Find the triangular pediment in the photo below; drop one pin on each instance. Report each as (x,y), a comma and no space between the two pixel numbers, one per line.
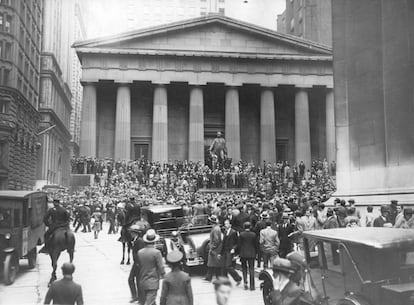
(209,34)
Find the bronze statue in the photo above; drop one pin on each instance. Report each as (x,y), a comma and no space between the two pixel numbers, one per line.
(218,150)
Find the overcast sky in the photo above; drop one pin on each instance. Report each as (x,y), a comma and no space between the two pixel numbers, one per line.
(104,17)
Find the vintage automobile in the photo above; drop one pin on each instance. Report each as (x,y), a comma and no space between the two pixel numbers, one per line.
(362,266)
(164,219)
(356,266)
(194,236)
(21,229)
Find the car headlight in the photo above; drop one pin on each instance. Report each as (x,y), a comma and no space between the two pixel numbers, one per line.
(7,236)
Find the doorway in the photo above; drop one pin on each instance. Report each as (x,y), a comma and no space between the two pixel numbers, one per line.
(141,151)
(282,149)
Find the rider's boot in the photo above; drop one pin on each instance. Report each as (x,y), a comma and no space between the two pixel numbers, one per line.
(45,248)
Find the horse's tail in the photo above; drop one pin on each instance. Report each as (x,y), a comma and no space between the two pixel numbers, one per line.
(66,237)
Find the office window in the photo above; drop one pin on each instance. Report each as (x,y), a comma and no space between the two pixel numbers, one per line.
(6,76)
(7,27)
(20,61)
(19,83)
(4,105)
(21,35)
(221,1)
(5,2)
(7,50)
(221,10)
(1,22)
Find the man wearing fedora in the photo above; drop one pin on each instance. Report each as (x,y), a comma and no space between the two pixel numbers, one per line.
(137,244)
(260,225)
(151,269)
(65,291)
(214,262)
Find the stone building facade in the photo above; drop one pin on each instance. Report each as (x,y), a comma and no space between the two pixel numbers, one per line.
(308,19)
(60,90)
(163,93)
(77,31)
(20,42)
(374,59)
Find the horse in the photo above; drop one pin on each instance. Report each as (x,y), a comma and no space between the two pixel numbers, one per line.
(62,239)
(126,238)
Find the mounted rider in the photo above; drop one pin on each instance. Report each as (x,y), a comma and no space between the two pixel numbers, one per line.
(56,217)
(128,215)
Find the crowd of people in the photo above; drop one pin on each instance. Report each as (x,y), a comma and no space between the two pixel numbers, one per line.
(195,175)
(258,225)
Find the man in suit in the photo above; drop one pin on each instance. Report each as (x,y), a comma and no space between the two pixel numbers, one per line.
(383,220)
(228,251)
(214,261)
(65,291)
(247,250)
(261,224)
(137,244)
(151,269)
(269,243)
(241,218)
(284,230)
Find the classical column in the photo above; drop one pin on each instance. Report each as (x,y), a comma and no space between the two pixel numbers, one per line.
(123,123)
(160,124)
(87,141)
(267,126)
(196,132)
(330,126)
(302,128)
(232,132)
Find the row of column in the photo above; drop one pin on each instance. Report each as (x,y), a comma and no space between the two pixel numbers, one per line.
(196,124)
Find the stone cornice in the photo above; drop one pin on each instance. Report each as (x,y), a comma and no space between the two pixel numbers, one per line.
(207,54)
(124,63)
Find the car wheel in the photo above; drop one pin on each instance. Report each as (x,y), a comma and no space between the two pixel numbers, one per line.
(32,258)
(10,269)
(267,289)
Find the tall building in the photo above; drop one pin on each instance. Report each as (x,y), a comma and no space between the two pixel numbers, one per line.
(76,31)
(55,93)
(135,14)
(373,65)
(281,22)
(309,19)
(20,44)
